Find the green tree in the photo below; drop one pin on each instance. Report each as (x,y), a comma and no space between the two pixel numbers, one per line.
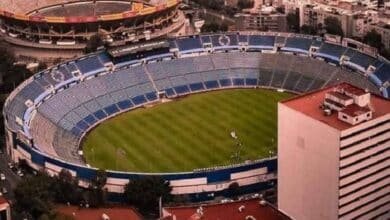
(33,195)
(214,4)
(144,193)
(307,29)
(333,26)
(293,22)
(65,188)
(373,38)
(234,189)
(241,4)
(96,196)
(214,27)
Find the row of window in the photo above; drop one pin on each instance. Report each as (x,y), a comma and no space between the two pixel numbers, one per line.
(365,204)
(364,130)
(365,139)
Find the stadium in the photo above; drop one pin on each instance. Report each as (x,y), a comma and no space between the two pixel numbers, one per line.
(91,102)
(43,29)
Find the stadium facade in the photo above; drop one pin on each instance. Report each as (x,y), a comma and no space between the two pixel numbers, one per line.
(45,29)
(47,116)
(334,161)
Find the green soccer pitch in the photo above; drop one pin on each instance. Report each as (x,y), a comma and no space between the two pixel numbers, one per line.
(188,133)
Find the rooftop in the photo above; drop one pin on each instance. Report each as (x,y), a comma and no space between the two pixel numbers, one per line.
(117,213)
(309,104)
(231,210)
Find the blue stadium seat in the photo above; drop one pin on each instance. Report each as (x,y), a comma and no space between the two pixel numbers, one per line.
(139,100)
(258,40)
(82,125)
(238,82)
(302,44)
(205,39)
(181,89)
(224,40)
(243,38)
(125,104)
(100,114)
(112,109)
(90,119)
(152,96)
(170,92)
(383,72)
(362,60)
(225,82)
(332,50)
(189,43)
(211,84)
(76,131)
(196,87)
(250,82)
(104,57)
(90,64)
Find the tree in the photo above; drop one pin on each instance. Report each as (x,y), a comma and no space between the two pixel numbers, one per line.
(214,4)
(307,29)
(293,22)
(144,193)
(373,38)
(234,189)
(241,4)
(280,9)
(96,195)
(333,26)
(33,195)
(65,188)
(214,27)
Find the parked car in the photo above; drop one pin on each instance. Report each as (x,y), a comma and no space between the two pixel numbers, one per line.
(20,173)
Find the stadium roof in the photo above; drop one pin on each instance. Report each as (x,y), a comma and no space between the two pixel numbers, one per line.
(309,104)
(231,210)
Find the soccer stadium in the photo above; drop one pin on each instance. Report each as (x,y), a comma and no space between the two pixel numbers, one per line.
(199,111)
(43,27)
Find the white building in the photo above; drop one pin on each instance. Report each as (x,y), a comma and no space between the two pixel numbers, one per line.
(334,155)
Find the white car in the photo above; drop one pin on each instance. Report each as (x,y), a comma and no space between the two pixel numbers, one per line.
(20,173)
(2,176)
(11,165)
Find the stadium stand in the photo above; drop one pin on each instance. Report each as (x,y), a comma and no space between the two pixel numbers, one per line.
(70,99)
(297,44)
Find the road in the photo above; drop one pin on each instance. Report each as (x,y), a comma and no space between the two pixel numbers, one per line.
(11,179)
(219,16)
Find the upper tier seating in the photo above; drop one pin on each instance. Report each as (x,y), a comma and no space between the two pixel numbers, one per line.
(90,65)
(189,43)
(302,44)
(264,41)
(73,106)
(332,50)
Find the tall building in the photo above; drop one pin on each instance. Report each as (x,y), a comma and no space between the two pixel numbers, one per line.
(334,155)
(266,18)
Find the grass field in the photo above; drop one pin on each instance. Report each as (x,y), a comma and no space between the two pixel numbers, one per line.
(190,133)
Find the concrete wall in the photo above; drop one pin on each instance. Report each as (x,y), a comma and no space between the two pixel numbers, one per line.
(308,166)
(202,185)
